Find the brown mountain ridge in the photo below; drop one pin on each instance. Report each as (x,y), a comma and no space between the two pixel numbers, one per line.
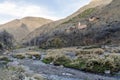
(19,28)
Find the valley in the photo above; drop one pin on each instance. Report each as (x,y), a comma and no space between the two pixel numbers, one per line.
(83,46)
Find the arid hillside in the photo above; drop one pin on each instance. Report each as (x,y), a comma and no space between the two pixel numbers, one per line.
(19,28)
(96,23)
(47,28)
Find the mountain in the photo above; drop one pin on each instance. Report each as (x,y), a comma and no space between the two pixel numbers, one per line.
(54,25)
(96,23)
(19,28)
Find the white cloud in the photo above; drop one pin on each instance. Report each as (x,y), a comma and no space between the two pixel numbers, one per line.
(16,10)
(12,9)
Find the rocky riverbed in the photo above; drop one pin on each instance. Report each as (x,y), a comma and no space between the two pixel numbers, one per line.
(37,70)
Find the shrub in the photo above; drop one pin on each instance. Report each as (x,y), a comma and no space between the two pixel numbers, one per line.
(116,51)
(76,64)
(34,54)
(95,65)
(57,59)
(109,64)
(49,57)
(61,60)
(47,60)
(100,65)
(4,59)
(16,68)
(55,42)
(83,52)
(6,40)
(116,58)
(1,46)
(80,61)
(18,46)
(98,51)
(19,56)
(87,60)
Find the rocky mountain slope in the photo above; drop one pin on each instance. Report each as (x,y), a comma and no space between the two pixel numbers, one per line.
(19,28)
(54,25)
(95,23)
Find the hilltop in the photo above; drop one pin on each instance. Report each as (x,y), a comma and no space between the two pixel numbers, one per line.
(19,28)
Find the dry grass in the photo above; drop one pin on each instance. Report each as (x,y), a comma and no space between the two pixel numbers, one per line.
(56,58)
(116,58)
(91,60)
(49,57)
(70,49)
(97,51)
(4,58)
(19,56)
(97,64)
(30,55)
(37,55)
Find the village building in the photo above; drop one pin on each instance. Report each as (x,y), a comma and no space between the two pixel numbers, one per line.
(72,28)
(80,26)
(91,19)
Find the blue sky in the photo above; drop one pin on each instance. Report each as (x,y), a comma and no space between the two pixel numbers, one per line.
(51,9)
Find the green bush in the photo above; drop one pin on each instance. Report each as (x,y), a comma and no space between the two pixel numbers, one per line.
(95,65)
(4,58)
(100,65)
(57,59)
(61,60)
(88,60)
(49,57)
(76,64)
(110,64)
(115,58)
(47,60)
